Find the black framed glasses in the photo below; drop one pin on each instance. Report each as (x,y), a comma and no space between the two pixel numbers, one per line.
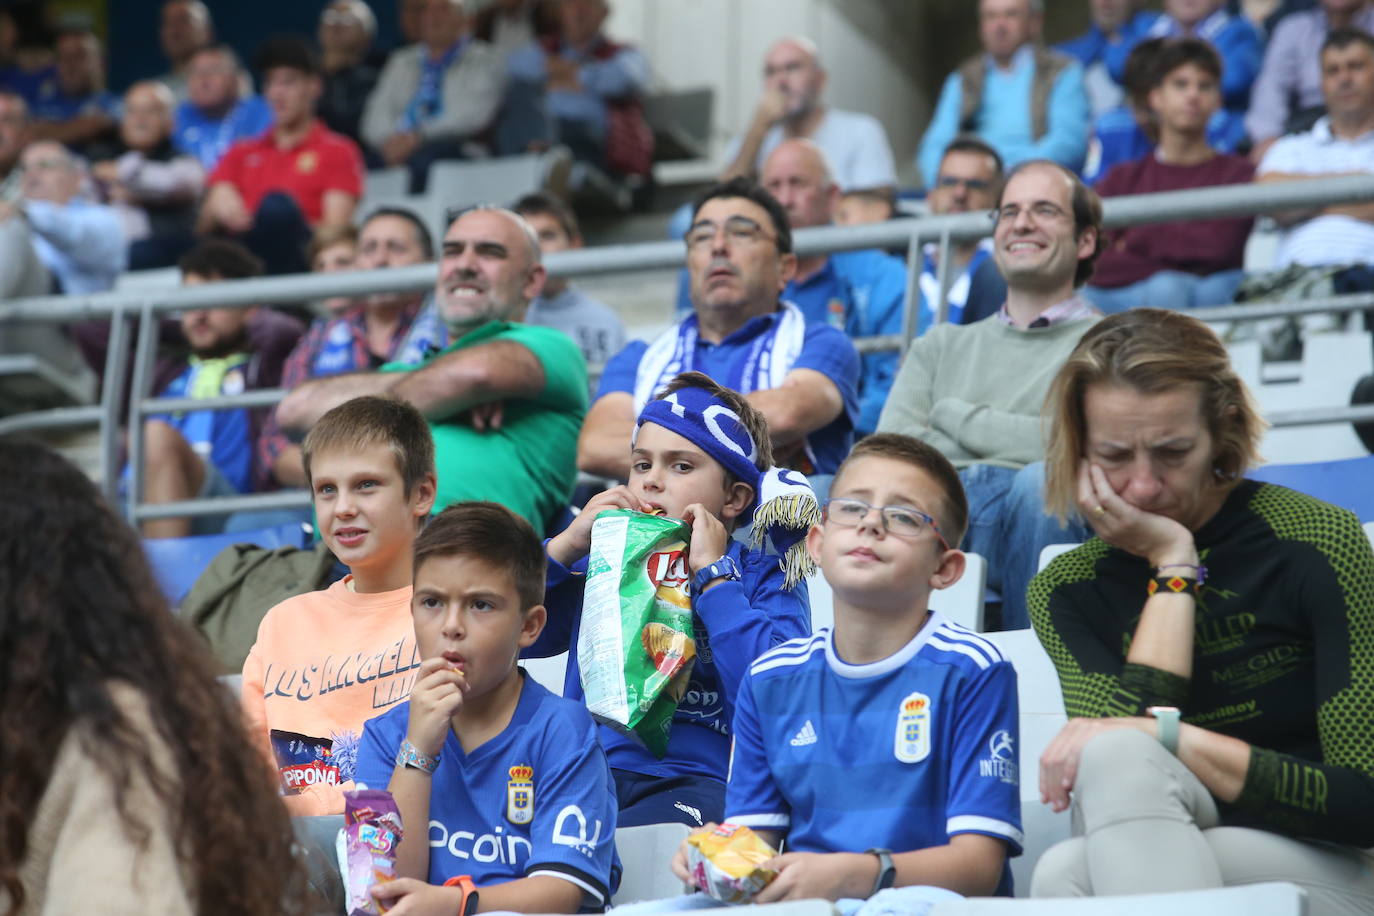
(903,521)
(739,230)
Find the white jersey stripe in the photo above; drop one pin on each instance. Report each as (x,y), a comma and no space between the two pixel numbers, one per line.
(787,654)
(572,879)
(979,658)
(973,823)
(955,633)
(760,820)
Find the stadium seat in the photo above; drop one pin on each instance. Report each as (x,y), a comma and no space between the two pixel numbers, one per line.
(645,855)
(1051,551)
(1345,483)
(178,562)
(1331,365)
(1269,899)
(1041,708)
(961,602)
(547,672)
(463,183)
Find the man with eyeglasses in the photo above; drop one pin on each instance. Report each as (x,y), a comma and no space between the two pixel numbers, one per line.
(969,177)
(975,391)
(802,375)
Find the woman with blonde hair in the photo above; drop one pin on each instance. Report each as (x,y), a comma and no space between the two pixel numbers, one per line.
(1214,641)
(127,782)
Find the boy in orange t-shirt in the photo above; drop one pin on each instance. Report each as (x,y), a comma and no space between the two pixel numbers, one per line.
(325,662)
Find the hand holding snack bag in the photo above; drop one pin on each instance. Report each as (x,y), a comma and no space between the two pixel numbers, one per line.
(367,847)
(729,862)
(636,643)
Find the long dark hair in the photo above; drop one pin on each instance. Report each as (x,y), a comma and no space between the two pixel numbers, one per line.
(80,614)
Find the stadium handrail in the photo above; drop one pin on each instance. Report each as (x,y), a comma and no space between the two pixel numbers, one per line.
(123,307)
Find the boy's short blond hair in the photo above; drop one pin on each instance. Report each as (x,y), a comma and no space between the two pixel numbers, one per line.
(373,420)
(491,533)
(952,513)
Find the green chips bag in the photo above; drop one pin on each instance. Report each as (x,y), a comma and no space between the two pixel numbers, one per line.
(635,644)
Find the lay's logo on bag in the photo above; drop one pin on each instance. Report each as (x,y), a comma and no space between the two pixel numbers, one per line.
(668,569)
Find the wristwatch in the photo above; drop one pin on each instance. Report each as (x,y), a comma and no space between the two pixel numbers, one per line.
(887,872)
(1166,726)
(469,904)
(408,755)
(724,568)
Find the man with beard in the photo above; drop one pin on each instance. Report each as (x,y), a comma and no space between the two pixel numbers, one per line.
(504,399)
(202,454)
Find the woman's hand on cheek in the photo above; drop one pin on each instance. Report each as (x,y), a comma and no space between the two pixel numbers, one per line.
(1157,538)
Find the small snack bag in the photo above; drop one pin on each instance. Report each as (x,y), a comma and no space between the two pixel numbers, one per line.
(367,847)
(728,863)
(635,644)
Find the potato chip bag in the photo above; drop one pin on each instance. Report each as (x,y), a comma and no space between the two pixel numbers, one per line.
(635,644)
(728,863)
(367,847)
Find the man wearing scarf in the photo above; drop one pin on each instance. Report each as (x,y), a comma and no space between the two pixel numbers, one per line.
(803,378)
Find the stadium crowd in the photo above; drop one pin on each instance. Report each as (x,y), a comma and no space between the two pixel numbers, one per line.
(1212,634)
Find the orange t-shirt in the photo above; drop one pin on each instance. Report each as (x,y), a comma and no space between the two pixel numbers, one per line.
(324,663)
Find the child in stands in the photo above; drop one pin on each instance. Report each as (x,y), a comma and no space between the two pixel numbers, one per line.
(503,791)
(701,453)
(882,750)
(325,662)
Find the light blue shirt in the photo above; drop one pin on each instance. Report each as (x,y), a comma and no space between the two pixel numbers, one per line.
(1004,118)
(624,73)
(81,243)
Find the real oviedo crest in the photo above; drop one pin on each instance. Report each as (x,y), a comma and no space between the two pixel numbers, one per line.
(520,795)
(913,729)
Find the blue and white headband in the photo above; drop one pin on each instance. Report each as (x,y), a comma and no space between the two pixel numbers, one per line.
(784,506)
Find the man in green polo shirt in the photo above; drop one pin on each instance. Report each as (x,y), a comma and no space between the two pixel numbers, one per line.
(505,400)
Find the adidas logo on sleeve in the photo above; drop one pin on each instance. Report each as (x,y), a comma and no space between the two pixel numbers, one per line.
(807,735)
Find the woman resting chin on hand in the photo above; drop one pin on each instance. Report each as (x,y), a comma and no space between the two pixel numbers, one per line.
(1212,640)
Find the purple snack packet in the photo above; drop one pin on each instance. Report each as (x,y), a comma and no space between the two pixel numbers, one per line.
(372,829)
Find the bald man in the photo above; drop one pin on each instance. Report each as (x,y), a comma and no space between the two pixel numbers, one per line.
(860,292)
(791,107)
(505,400)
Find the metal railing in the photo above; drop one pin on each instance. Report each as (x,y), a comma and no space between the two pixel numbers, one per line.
(123,308)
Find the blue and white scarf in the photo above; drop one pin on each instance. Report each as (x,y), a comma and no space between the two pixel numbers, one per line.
(772,356)
(784,506)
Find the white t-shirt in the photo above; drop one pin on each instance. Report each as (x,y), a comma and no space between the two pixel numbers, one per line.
(855,146)
(1328,239)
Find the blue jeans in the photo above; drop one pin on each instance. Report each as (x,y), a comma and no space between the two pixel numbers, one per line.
(1168,289)
(1008,527)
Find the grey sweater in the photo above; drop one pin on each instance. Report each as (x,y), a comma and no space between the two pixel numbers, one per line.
(975,391)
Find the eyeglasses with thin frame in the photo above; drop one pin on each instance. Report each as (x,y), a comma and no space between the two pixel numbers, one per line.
(1041,211)
(739,230)
(954,181)
(903,521)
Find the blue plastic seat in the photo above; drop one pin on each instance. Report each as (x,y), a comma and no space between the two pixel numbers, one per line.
(1348,483)
(178,562)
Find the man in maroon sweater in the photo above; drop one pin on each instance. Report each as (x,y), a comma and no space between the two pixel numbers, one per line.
(1185,264)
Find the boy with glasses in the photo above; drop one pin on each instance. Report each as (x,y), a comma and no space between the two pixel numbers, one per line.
(882,749)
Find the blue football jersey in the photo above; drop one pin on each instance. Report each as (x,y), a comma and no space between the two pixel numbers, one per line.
(902,753)
(538,799)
